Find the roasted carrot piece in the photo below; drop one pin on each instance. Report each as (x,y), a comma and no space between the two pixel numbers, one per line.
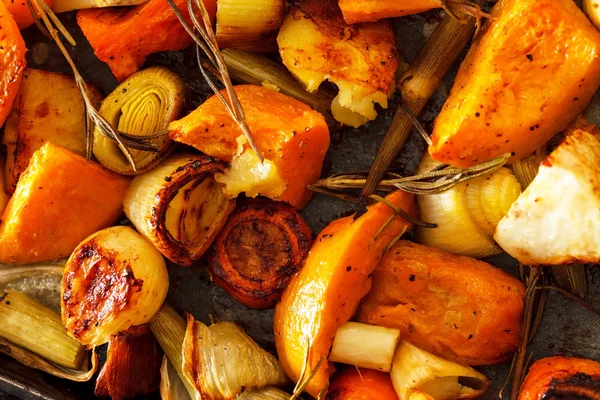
(326,291)
(531,71)
(20,12)
(60,199)
(132,366)
(290,135)
(124,37)
(458,308)
(12,61)
(363,384)
(562,378)
(258,251)
(356,11)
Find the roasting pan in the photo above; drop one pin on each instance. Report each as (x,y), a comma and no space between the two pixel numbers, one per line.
(567,328)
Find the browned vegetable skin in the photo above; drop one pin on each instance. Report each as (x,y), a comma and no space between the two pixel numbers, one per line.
(132,365)
(456,307)
(562,378)
(258,251)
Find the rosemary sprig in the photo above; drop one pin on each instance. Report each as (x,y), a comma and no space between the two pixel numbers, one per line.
(51,27)
(207,42)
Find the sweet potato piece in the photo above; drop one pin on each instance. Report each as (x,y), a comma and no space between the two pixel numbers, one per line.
(258,251)
(562,378)
(456,307)
(12,61)
(317,45)
(132,365)
(60,199)
(48,108)
(366,384)
(292,136)
(532,70)
(20,12)
(124,37)
(326,291)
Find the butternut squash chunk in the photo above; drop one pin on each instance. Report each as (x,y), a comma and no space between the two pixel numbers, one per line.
(326,291)
(20,12)
(532,70)
(60,199)
(12,61)
(48,108)
(458,308)
(292,137)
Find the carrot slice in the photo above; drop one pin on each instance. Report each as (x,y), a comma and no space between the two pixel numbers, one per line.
(326,291)
(373,10)
(60,199)
(12,61)
(123,38)
(258,251)
(20,12)
(363,384)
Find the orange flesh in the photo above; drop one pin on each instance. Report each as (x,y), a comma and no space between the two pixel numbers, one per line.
(372,10)
(60,199)
(326,291)
(12,61)
(366,384)
(286,131)
(20,12)
(124,37)
(531,71)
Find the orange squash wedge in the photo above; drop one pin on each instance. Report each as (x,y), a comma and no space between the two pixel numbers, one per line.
(326,291)
(12,61)
(20,12)
(60,199)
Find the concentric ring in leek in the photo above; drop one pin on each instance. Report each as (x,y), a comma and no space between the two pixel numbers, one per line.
(179,207)
(142,105)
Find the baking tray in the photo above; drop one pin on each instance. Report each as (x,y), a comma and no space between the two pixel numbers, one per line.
(567,328)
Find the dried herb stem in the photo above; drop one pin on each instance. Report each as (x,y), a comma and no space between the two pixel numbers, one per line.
(416,86)
(207,42)
(571,296)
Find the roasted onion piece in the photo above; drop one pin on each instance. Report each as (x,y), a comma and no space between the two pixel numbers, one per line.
(142,105)
(221,361)
(258,251)
(132,365)
(562,378)
(179,207)
(113,280)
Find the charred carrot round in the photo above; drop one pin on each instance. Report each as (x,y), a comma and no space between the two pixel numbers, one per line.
(12,61)
(258,251)
(363,384)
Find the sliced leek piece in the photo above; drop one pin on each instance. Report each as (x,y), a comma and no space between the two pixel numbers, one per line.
(268,393)
(365,346)
(60,6)
(142,105)
(114,279)
(171,385)
(416,372)
(41,282)
(179,207)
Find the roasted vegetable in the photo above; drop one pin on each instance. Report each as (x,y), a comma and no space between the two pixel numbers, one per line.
(60,199)
(592,9)
(317,45)
(12,64)
(123,38)
(267,393)
(113,280)
(563,197)
(365,346)
(142,105)
(419,375)
(70,5)
(48,108)
(562,378)
(221,361)
(292,138)
(132,365)
(361,384)
(530,72)
(3,196)
(249,24)
(456,307)
(179,207)
(30,325)
(258,251)
(171,385)
(21,13)
(326,291)
(40,282)
(467,214)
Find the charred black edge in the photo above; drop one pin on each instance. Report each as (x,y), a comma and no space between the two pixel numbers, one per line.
(579,386)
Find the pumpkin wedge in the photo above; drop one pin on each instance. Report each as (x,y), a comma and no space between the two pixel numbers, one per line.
(326,291)
(60,199)
(12,61)
(530,72)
